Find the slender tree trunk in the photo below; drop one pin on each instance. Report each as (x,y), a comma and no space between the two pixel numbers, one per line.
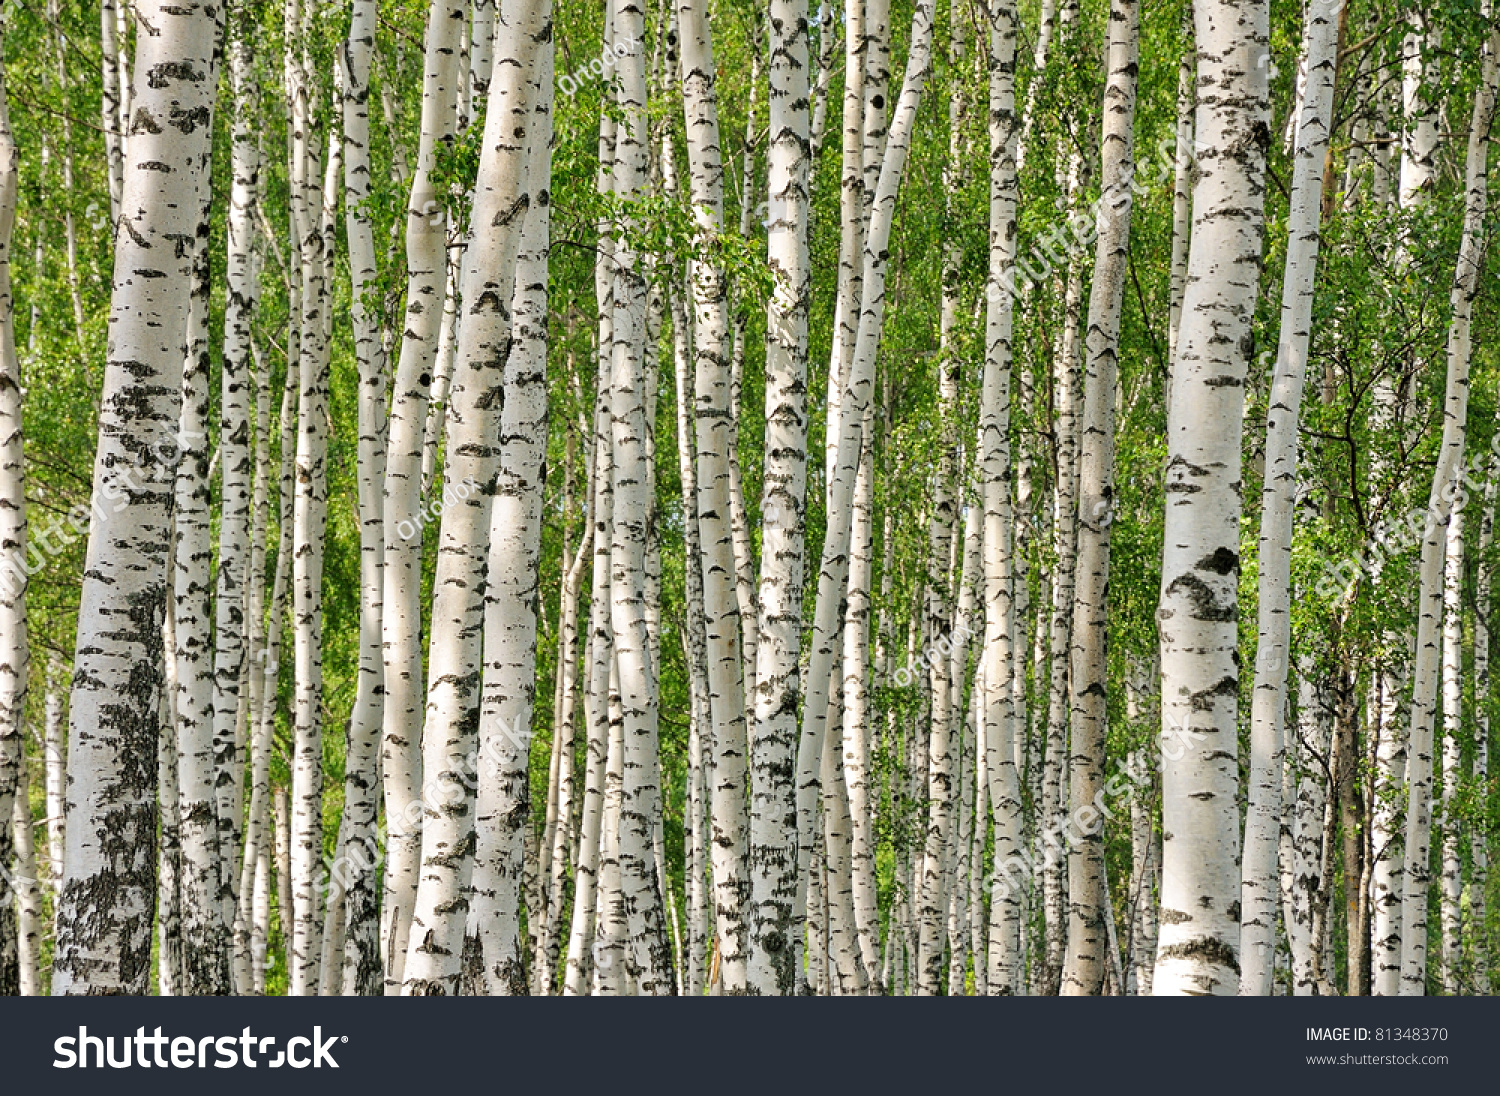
(1259,889)
(14,643)
(112,83)
(640,798)
(833,572)
(1002,727)
(778,687)
(715,419)
(1197,953)
(1085,968)
(523,53)
(1303,881)
(205,952)
(104,919)
(1450,891)
(361,957)
(235,462)
(1445,485)
(582,945)
(401,608)
(28,891)
(485,344)
(1182,160)
(309,525)
(56,768)
(1479,939)
(940,776)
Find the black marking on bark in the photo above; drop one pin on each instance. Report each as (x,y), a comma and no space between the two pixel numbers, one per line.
(1205,604)
(1224,561)
(158,75)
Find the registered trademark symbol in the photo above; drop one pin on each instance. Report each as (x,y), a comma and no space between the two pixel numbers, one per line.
(343,1038)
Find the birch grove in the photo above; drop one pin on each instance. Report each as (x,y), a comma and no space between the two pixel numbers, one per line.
(934,497)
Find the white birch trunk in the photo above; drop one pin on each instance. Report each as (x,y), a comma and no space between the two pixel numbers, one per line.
(1001,727)
(56,770)
(451,733)
(1197,953)
(28,891)
(1446,484)
(309,525)
(14,648)
(1259,888)
(640,793)
(104,919)
(523,54)
(361,958)
(833,572)
(714,415)
(1450,890)
(1089,920)
(773,736)
(401,608)
(1302,877)
(205,952)
(235,462)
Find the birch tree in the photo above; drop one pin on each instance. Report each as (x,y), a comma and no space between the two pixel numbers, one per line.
(485,341)
(714,418)
(1085,969)
(1259,876)
(401,609)
(1445,487)
(105,903)
(15,806)
(523,52)
(1197,950)
(773,735)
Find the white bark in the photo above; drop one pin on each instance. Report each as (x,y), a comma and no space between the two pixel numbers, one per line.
(1259,887)
(1450,890)
(640,793)
(56,768)
(523,54)
(1197,953)
(205,952)
(361,958)
(451,734)
(230,629)
(582,949)
(401,608)
(833,572)
(1445,485)
(714,416)
(1088,894)
(14,649)
(1303,884)
(309,526)
(104,934)
(773,735)
(28,891)
(1002,727)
